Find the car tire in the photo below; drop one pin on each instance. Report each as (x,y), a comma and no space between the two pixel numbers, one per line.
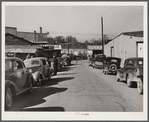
(140,86)
(113,67)
(31,88)
(49,78)
(39,81)
(129,83)
(118,79)
(8,98)
(105,72)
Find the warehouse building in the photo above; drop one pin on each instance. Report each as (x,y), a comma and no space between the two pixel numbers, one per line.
(30,36)
(125,45)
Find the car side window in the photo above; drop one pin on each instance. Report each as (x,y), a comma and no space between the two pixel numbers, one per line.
(44,62)
(18,65)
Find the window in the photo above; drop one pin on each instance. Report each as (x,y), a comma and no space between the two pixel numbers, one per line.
(130,63)
(43,62)
(18,65)
(8,65)
(113,60)
(35,62)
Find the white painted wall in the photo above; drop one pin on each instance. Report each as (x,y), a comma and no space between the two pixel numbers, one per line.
(124,47)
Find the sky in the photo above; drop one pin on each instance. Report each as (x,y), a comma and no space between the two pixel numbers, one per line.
(82,22)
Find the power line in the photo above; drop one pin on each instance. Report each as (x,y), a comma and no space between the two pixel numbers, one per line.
(107,11)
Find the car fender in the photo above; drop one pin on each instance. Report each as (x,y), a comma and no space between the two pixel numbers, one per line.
(36,75)
(131,76)
(119,73)
(13,87)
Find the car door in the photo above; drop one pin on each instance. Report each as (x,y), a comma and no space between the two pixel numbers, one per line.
(44,65)
(129,65)
(20,75)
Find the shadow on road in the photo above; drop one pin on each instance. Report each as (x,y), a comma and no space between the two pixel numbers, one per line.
(98,67)
(66,68)
(67,73)
(37,97)
(45,109)
(55,81)
(75,64)
(134,85)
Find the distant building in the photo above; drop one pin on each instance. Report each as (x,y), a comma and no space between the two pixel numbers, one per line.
(94,49)
(30,36)
(125,45)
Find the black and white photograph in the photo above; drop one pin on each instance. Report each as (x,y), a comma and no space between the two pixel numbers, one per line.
(74,61)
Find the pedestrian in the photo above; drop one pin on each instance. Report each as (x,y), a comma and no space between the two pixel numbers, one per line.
(55,65)
(77,58)
(49,62)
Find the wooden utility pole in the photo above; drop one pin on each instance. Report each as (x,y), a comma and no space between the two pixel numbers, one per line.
(102,35)
(68,44)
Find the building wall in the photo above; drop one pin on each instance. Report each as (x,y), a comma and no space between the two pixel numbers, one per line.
(124,47)
(11,30)
(30,36)
(107,49)
(27,35)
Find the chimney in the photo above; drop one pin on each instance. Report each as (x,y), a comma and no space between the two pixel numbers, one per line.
(35,36)
(40,30)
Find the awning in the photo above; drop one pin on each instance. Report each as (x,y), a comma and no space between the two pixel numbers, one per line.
(21,48)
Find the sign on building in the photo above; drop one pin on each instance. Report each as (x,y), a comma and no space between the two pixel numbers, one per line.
(94,47)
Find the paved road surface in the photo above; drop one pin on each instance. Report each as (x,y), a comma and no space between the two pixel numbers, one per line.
(81,88)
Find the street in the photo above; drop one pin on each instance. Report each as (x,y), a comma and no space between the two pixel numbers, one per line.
(81,88)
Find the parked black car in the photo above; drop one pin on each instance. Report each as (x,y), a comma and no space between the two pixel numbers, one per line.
(66,59)
(111,64)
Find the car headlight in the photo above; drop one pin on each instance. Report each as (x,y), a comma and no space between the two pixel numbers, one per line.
(30,70)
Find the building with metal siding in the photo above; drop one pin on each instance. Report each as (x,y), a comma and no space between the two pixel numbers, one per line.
(125,45)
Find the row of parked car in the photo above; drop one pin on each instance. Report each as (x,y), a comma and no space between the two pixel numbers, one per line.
(21,76)
(131,72)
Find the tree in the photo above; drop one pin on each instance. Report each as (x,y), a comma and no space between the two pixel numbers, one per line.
(86,42)
(59,39)
(50,40)
(71,39)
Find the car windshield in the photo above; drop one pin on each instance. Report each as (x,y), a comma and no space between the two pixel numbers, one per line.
(8,65)
(27,63)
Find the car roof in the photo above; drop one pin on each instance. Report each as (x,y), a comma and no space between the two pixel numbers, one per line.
(135,58)
(36,58)
(12,58)
(113,57)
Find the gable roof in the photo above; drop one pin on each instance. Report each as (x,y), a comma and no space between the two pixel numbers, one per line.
(134,33)
(19,38)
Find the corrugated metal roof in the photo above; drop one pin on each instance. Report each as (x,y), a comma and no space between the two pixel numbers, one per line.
(21,48)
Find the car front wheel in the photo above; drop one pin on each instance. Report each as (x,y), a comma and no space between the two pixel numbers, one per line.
(31,88)
(49,78)
(8,98)
(140,86)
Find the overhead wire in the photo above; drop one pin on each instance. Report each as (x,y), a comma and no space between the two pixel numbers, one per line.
(107,11)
